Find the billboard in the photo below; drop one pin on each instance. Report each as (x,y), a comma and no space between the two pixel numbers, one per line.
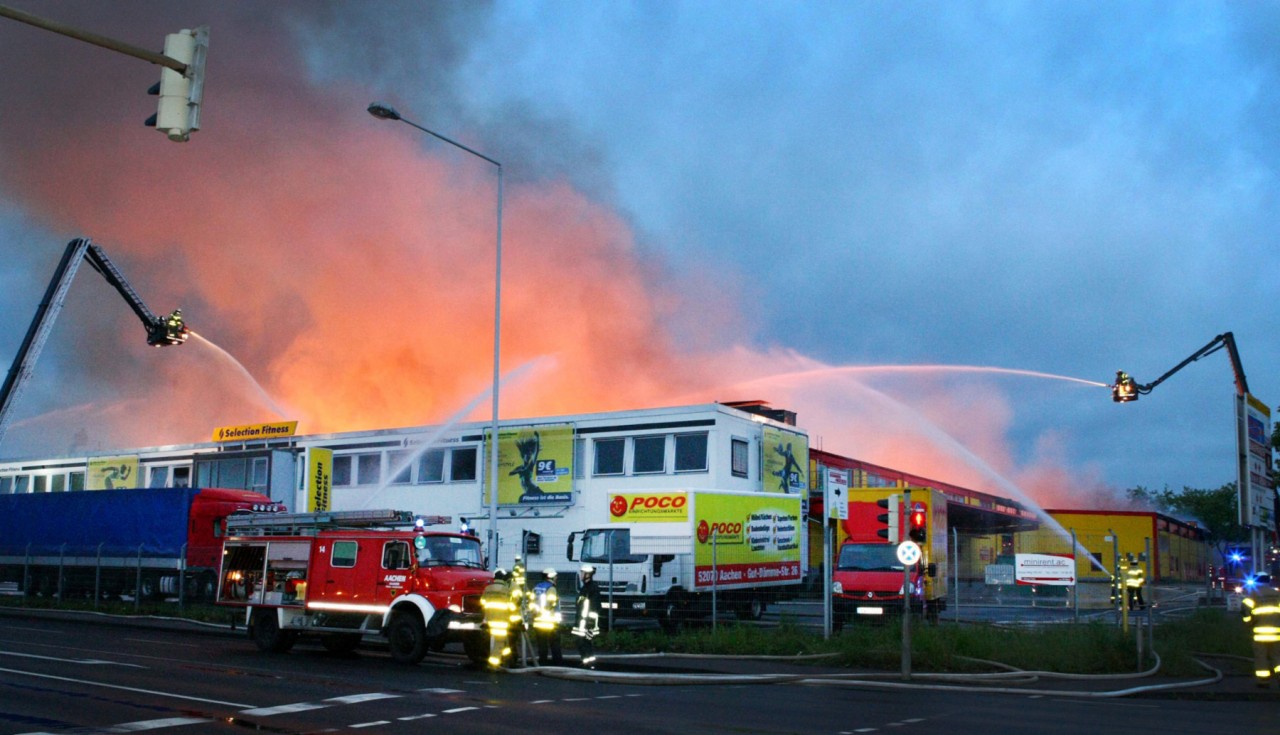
(319,479)
(746,540)
(786,461)
(112,473)
(535,465)
(1047,569)
(1257,495)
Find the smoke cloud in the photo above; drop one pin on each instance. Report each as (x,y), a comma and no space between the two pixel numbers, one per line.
(349,265)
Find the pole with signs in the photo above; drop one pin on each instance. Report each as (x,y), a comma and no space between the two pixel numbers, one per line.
(906,595)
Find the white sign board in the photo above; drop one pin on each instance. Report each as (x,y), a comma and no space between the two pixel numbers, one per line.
(1049,569)
(909,552)
(837,494)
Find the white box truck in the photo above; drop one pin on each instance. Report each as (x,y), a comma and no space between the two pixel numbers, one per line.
(673,554)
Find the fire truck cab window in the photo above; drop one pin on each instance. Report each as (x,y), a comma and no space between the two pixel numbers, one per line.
(395,555)
(344,554)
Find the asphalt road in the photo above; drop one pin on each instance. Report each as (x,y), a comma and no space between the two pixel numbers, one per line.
(78,677)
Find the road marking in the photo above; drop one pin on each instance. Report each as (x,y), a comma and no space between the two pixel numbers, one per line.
(456,710)
(914,720)
(441,690)
(358,698)
(609,696)
(166,644)
(157,724)
(86,682)
(416,717)
(144,725)
(88,661)
(283,709)
(369,724)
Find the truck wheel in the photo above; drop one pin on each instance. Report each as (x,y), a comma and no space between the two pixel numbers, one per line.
(751,609)
(672,614)
(206,588)
(149,588)
(407,638)
(266,633)
(341,642)
(476,646)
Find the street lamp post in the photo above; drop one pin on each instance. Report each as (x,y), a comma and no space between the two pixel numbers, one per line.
(387,112)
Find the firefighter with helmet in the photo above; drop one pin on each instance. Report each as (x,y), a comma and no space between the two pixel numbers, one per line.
(587,624)
(1135,578)
(544,605)
(496,602)
(1261,608)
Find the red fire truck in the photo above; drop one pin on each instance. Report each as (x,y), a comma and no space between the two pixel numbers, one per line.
(868,580)
(344,575)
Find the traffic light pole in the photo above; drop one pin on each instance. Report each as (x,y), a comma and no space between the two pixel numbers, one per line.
(906,598)
(93,38)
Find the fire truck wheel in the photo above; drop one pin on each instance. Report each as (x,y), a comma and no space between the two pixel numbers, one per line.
(340,642)
(266,633)
(407,638)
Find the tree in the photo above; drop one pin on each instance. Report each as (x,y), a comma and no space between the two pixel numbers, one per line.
(1215,511)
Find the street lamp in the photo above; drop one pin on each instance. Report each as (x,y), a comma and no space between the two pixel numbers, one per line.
(387,112)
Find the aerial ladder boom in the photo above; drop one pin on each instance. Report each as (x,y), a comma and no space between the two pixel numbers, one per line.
(161,331)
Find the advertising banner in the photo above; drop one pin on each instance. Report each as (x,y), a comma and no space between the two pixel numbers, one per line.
(535,465)
(1046,569)
(1257,504)
(786,461)
(319,479)
(746,541)
(112,473)
(653,507)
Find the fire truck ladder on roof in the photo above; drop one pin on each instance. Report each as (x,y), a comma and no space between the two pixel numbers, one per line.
(308,524)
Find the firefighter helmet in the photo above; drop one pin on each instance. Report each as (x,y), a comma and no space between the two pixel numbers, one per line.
(549,573)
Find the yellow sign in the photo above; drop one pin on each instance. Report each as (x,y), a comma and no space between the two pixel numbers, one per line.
(112,473)
(535,465)
(254,432)
(786,461)
(746,540)
(668,507)
(319,478)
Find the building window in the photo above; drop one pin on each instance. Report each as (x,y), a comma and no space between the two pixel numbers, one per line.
(431,466)
(39,484)
(159,477)
(738,454)
(57,483)
(181,478)
(579,452)
(342,470)
(649,455)
(6,485)
(691,452)
(402,466)
(462,465)
(609,456)
(344,554)
(368,469)
(258,471)
(21,484)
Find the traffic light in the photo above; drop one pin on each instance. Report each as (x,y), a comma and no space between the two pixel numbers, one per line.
(1125,389)
(178,112)
(919,531)
(889,518)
